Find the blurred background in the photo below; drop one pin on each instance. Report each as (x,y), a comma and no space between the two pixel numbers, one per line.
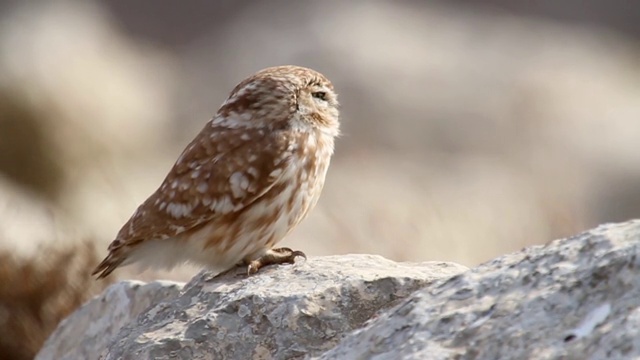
(471,128)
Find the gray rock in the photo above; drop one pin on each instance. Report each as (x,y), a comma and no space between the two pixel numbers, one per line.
(576,298)
(283,312)
(88,330)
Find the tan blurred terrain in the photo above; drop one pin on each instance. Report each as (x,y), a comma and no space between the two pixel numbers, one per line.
(469,131)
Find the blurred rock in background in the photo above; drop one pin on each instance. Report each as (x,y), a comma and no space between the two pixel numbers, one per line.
(471,129)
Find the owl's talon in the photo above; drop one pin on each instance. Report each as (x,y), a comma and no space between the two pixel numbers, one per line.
(277,256)
(299,253)
(253,267)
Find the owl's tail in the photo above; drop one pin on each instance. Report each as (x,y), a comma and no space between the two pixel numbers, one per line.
(106,267)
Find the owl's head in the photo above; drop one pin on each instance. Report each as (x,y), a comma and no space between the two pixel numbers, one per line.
(282,96)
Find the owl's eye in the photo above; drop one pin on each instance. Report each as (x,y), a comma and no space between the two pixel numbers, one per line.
(319,95)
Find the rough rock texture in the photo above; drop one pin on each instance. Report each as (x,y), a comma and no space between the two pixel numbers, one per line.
(88,330)
(576,298)
(282,312)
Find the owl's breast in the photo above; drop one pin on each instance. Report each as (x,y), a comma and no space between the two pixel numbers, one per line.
(311,164)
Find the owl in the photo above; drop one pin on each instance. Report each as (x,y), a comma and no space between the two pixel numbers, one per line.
(247,179)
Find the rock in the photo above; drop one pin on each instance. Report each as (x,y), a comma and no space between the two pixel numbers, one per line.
(575,298)
(572,298)
(282,312)
(89,329)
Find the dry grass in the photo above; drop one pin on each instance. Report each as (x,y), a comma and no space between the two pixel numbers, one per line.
(37,293)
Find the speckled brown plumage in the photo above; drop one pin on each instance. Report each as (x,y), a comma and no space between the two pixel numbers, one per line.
(245,181)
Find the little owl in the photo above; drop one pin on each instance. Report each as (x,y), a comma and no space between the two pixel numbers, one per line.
(245,181)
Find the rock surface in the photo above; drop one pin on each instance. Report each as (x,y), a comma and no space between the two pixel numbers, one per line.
(574,298)
(282,312)
(285,312)
(90,328)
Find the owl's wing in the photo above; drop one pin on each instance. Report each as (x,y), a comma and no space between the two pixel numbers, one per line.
(221,172)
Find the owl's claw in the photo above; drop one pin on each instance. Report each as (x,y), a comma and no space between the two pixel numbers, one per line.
(277,256)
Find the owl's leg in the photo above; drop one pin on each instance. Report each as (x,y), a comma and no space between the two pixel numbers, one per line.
(272,257)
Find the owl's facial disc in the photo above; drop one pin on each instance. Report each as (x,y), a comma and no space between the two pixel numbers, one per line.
(318,105)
